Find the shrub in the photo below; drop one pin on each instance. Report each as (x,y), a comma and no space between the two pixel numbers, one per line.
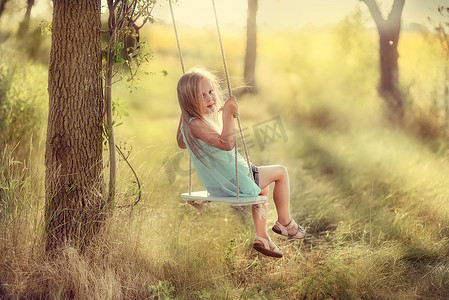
(22,97)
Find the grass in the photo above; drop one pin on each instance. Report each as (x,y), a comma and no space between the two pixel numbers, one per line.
(373,198)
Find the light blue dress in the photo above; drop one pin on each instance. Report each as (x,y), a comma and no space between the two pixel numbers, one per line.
(218,171)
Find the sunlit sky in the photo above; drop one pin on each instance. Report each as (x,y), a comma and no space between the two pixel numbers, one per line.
(276,13)
(287,13)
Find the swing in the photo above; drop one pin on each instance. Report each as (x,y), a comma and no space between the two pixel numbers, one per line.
(204,195)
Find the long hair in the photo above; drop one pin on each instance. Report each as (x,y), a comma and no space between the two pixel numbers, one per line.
(190,100)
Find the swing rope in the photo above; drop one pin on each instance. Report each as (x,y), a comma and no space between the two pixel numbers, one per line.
(229,92)
(183,72)
(223,57)
(177,38)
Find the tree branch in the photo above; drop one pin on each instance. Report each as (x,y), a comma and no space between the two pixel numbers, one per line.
(375,12)
(141,12)
(394,19)
(122,14)
(396,11)
(139,194)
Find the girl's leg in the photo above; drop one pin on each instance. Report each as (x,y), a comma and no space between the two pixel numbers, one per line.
(260,222)
(281,191)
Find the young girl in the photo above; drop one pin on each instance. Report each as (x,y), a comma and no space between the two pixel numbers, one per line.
(210,141)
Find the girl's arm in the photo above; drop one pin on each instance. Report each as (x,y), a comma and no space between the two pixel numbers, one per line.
(225,139)
(179,138)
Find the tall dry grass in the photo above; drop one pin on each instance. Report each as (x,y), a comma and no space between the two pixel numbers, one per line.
(373,198)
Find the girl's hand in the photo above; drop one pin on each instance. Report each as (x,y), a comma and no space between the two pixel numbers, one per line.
(230,107)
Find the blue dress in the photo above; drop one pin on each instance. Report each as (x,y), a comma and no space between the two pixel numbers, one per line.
(217,173)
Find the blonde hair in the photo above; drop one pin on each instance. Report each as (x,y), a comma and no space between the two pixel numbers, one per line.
(191,103)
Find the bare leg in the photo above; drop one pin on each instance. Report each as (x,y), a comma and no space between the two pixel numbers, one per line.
(281,191)
(260,223)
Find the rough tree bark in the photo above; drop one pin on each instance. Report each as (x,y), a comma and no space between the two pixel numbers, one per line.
(75,204)
(389,31)
(251,47)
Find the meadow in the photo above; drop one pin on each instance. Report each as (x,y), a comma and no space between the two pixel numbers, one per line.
(372,196)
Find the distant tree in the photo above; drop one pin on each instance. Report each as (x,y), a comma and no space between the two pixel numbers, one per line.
(389,31)
(75,203)
(442,30)
(2,6)
(25,24)
(251,47)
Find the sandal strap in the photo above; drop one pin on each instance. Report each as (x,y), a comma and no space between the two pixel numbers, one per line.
(291,224)
(284,229)
(300,228)
(266,243)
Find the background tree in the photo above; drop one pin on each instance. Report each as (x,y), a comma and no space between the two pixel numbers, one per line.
(389,30)
(251,47)
(2,6)
(75,204)
(442,30)
(25,24)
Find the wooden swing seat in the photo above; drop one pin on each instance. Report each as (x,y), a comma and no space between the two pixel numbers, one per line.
(241,201)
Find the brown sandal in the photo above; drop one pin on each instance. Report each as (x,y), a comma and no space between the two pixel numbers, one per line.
(263,246)
(283,230)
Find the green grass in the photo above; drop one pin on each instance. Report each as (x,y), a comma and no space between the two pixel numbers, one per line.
(373,198)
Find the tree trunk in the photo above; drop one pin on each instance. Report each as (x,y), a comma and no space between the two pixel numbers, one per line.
(112,26)
(25,24)
(2,6)
(75,204)
(389,73)
(110,127)
(389,30)
(251,47)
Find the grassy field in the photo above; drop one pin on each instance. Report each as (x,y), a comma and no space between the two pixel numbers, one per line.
(372,197)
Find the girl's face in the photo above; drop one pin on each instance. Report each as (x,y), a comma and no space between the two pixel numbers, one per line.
(208,96)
